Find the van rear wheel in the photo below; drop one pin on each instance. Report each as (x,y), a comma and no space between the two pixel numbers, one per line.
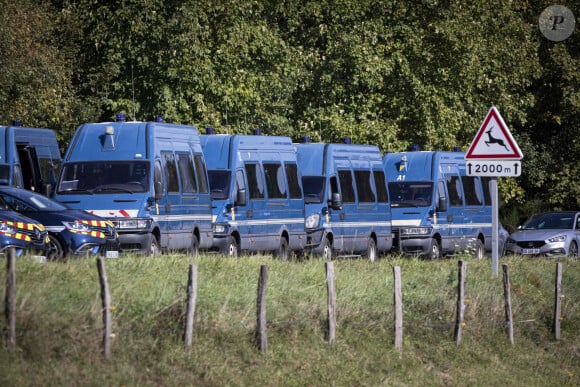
(283,252)
(372,253)
(479,249)
(194,250)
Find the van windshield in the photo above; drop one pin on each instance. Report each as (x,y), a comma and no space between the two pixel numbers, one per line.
(411,194)
(219,184)
(104,177)
(313,187)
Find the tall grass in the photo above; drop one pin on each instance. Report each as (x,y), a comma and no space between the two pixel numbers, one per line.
(59,324)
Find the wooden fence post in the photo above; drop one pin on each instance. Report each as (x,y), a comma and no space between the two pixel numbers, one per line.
(508,303)
(191,301)
(261,332)
(106,307)
(558,301)
(10,307)
(398,308)
(459,323)
(331,302)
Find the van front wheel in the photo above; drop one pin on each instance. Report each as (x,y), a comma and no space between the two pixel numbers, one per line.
(283,253)
(231,248)
(434,251)
(327,250)
(154,248)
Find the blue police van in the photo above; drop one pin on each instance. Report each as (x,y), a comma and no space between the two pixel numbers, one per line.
(29,158)
(437,209)
(149,178)
(256,194)
(346,200)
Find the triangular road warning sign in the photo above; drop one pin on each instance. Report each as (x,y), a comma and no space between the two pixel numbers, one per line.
(493,140)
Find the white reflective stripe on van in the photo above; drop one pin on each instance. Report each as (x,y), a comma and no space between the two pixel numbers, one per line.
(268,221)
(174,218)
(357,224)
(462,225)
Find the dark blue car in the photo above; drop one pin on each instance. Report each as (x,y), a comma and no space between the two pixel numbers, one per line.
(70,231)
(21,233)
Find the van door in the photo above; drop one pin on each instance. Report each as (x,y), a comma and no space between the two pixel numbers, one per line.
(255,208)
(345,217)
(169,203)
(456,211)
(31,176)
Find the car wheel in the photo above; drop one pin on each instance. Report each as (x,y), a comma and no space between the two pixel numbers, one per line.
(194,250)
(327,250)
(231,248)
(372,252)
(573,250)
(283,252)
(154,249)
(434,251)
(55,250)
(479,249)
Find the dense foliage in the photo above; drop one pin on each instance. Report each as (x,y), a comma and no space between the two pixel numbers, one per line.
(386,72)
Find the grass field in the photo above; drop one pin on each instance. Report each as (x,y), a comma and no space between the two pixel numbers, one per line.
(59,324)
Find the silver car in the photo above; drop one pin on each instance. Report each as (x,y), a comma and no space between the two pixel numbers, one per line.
(549,234)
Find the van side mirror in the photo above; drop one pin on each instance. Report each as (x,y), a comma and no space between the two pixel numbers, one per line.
(47,190)
(336,201)
(158,188)
(240,197)
(442,204)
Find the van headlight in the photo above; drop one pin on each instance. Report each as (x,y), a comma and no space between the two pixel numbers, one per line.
(312,221)
(219,228)
(416,231)
(132,223)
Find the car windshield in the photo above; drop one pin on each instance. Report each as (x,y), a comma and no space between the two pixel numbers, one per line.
(313,187)
(28,201)
(104,177)
(219,184)
(560,221)
(411,194)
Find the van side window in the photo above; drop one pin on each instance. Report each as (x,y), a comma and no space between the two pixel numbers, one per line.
(380,183)
(454,190)
(275,180)
(170,168)
(346,186)
(293,181)
(18,180)
(485,180)
(186,172)
(201,173)
(255,181)
(363,187)
(472,190)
